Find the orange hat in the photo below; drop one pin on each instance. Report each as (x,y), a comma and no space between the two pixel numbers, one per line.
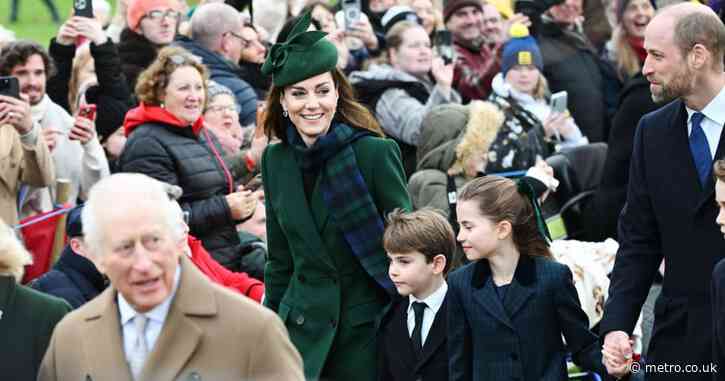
(137,9)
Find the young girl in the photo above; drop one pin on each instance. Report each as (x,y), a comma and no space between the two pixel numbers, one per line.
(508,309)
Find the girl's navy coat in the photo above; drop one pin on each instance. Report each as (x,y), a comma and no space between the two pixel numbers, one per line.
(520,339)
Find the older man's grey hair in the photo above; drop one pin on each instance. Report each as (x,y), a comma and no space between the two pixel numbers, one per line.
(126,191)
(211,21)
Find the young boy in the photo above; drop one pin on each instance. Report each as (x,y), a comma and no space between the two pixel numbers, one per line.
(412,335)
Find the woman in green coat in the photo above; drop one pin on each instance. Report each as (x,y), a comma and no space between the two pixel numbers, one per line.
(328,185)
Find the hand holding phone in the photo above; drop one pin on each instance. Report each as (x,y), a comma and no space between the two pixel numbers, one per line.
(10,86)
(88,111)
(352,11)
(558,102)
(444,46)
(84,128)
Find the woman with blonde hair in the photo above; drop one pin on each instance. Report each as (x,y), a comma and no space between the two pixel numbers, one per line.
(169,141)
(27,317)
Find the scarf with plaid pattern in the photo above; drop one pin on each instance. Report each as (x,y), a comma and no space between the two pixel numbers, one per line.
(346,195)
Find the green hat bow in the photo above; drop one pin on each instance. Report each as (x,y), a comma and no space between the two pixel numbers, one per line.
(304,55)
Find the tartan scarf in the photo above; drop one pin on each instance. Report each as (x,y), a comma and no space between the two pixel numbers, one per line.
(346,195)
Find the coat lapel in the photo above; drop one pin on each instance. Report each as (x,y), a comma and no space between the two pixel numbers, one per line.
(401,334)
(295,208)
(103,346)
(521,288)
(318,207)
(484,293)
(180,335)
(436,336)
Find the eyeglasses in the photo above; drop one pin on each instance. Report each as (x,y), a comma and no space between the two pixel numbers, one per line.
(180,59)
(245,42)
(221,108)
(158,15)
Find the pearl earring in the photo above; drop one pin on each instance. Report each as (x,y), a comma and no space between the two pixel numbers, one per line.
(284,113)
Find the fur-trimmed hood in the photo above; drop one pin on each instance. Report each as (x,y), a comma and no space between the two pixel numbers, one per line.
(451,132)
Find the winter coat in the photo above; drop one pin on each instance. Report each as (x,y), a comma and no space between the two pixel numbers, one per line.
(237,281)
(136,53)
(24,160)
(572,65)
(27,320)
(228,74)
(520,140)
(82,164)
(605,207)
(322,293)
(475,69)
(111,95)
(73,278)
(400,101)
(161,146)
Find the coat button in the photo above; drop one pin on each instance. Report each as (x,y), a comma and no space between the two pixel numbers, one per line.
(301,278)
(195,376)
(333,323)
(300,320)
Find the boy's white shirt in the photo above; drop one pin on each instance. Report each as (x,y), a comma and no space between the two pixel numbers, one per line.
(433,303)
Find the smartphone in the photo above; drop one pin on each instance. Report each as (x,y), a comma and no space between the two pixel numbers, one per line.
(558,102)
(83,8)
(10,86)
(443,41)
(352,11)
(87,111)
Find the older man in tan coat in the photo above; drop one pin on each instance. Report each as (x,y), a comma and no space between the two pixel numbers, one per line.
(161,319)
(24,157)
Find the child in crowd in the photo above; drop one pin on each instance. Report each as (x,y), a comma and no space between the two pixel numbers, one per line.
(413,332)
(508,309)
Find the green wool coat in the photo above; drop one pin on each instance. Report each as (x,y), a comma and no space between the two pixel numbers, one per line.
(313,280)
(27,319)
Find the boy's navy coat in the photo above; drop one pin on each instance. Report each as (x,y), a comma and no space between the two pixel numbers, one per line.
(520,339)
(397,360)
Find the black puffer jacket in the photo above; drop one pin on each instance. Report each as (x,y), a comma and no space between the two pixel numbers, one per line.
(111,95)
(178,156)
(572,65)
(137,53)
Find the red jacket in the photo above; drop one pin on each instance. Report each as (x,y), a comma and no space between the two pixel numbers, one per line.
(474,70)
(240,282)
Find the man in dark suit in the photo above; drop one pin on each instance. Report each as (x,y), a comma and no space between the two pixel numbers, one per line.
(413,333)
(670,206)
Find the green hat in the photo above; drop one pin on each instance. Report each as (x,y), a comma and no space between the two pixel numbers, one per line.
(305,54)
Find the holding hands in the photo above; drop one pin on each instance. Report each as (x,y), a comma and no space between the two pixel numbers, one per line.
(617,353)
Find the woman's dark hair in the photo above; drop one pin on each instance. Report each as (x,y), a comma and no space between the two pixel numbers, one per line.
(348,111)
(498,199)
(17,53)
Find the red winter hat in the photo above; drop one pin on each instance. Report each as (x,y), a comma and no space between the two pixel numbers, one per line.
(451,6)
(137,9)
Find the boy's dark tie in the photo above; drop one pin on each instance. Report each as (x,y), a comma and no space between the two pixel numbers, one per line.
(419,309)
(700,149)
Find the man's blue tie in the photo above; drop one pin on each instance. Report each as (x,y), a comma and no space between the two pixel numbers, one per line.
(700,149)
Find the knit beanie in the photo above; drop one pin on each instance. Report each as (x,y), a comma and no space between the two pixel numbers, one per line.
(451,6)
(137,9)
(521,49)
(622,5)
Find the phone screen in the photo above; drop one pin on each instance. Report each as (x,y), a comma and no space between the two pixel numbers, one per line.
(351,9)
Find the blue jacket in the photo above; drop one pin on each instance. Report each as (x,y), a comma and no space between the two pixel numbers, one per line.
(73,278)
(227,74)
(520,338)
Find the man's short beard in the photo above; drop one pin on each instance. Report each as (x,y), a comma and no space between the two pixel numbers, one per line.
(679,86)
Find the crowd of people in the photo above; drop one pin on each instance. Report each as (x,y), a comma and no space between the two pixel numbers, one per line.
(334,190)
